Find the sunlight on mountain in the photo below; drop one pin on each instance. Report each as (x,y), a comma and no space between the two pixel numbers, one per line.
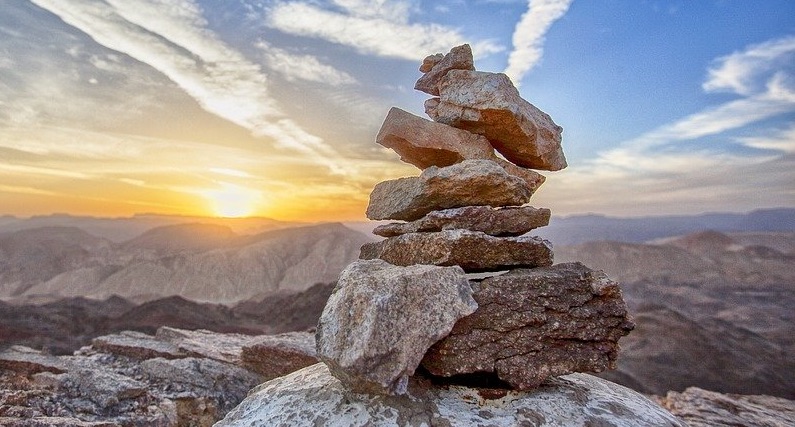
(233,201)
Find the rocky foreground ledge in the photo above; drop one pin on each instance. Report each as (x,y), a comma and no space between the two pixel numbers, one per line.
(174,378)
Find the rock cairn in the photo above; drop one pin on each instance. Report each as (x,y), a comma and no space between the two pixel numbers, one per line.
(412,301)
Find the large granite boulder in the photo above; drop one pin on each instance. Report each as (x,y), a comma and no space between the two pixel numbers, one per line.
(488,104)
(473,251)
(471,182)
(424,143)
(508,221)
(312,397)
(535,324)
(436,66)
(380,320)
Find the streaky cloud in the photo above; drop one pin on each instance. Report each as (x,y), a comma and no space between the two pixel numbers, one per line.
(303,67)
(741,72)
(530,33)
(382,31)
(171,37)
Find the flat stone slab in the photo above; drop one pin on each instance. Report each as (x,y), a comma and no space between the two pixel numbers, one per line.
(312,397)
(277,355)
(508,221)
(424,143)
(473,251)
(488,104)
(380,320)
(535,324)
(469,183)
(137,345)
(28,361)
(202,343)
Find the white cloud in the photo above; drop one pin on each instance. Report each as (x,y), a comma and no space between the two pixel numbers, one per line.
(780,140)
(170,36)
(662,168)
(740,72)
(304,67)
(373,30)
(529,35)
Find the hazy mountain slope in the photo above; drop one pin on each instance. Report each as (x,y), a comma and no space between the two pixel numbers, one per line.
(30,257)
(588,228)
(123,229)
(228,270)
(713,310)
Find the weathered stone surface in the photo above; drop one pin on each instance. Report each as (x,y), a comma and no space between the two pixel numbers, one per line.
(28,361)
(508,221)
(103,387)
(276,355)
(459,58)
(202,343)
(471,250)
(424,143)
(137,345)
(532,178)
(488,104)
(380,320)
(702,408)
(52,422)
(312,397)
(535,324)
(469,183)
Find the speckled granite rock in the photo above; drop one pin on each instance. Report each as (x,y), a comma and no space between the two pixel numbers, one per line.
(533,324)
(471,250)
(471,182)
(380,320)
(508,221)
(312,396)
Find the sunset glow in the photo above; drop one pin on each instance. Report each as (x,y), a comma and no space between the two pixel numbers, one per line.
(233,201)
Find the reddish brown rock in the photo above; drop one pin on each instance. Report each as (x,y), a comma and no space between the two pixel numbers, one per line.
(508,221)
(459,58)
(137,345)
(488,104)
(469,183)
(273,356)
(26,360)
(535,324)
(471,250)
(424,143)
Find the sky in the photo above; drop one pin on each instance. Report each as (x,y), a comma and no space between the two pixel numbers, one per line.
(271,107)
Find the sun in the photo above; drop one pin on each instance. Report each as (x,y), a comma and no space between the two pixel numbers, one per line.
(232,201)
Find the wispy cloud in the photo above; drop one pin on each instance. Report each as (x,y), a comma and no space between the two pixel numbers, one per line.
(664,167)
(529,35)
(170,36)
(303,67)
(382,28)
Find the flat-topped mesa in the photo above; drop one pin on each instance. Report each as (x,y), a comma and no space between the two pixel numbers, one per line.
(490,105)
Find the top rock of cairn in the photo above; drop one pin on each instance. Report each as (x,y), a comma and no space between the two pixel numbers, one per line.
(410,300)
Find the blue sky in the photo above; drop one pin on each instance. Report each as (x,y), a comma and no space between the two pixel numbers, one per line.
(270,107)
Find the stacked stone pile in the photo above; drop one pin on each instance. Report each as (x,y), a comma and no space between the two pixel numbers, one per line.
(458,317)
(412,301)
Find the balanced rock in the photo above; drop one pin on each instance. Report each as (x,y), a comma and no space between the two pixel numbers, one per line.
(459,58)
(425,143)
(535,324)
(469,183)
(488,104)
(507,221)
(312,397)
(473,251)
(381,319)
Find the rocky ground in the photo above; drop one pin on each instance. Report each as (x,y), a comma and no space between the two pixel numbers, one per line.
(173,378)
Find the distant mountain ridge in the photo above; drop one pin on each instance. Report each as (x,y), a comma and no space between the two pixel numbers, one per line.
(200,262)
(589,228)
